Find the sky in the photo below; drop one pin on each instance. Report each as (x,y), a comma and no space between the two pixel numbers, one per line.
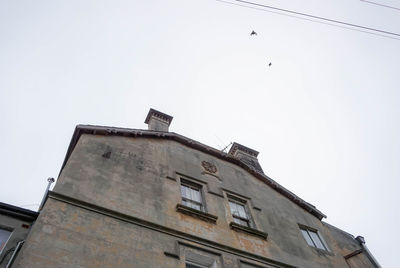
(325,116)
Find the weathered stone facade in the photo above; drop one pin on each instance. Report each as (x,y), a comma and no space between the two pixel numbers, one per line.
(118,203)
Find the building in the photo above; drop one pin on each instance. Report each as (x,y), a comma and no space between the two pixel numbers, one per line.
(15,224)
(154,198)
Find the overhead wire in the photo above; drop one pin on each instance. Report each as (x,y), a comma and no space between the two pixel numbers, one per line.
(316,19)
(378,4)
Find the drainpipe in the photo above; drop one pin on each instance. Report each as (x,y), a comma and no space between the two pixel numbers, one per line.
(50,181)
(361,240)
(17,248)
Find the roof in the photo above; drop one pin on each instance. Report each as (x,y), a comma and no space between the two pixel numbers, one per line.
(17,212)
(126,132)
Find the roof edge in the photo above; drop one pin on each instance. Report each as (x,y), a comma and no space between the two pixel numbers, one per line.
(18,212)
(128,132)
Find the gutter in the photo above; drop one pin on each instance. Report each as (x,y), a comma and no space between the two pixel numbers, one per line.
(361,240)
(17,212)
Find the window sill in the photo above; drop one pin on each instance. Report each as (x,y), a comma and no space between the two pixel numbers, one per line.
(196,213)
(248,230)
(322,251)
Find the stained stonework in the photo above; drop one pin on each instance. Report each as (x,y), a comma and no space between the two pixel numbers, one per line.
(124,209)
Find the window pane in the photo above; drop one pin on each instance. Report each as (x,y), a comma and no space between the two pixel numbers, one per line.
(183,191)
(196,195)
(316,240)
(241,222)
(4,235)
(242,212)
(236,220)
(307,238)
(189,193)
(245,223)
(196,206)
(234,210)
(192,204)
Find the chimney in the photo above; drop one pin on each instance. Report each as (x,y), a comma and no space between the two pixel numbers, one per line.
(158,121)
(246,155)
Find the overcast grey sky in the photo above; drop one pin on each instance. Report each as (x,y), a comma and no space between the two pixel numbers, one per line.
(324,117)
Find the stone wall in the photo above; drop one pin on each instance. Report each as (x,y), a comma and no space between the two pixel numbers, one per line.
(122,212)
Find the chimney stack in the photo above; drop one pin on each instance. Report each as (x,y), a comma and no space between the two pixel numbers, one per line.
(246,155)
(158,121)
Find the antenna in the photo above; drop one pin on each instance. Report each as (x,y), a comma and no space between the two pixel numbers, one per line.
(219,141)
(223,150)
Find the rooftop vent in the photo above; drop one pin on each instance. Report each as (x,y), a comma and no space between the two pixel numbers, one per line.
(158,121)
(246,155)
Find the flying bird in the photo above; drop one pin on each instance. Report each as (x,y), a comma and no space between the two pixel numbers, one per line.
(269,64)
(253,33)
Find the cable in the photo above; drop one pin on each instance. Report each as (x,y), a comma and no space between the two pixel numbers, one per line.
(321,22)
(370,2)
(319,18)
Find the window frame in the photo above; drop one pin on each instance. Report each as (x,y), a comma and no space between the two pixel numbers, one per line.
(307,231)
(9,236)
(195,264)
(195,187)
(244,204)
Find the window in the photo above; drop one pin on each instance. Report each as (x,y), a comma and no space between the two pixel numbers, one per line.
(192,265)
(4,236)
(313,238)
(191,195)
(239,212)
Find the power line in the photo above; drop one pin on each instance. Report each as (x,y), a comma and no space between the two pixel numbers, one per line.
(382,5)
(317,19)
